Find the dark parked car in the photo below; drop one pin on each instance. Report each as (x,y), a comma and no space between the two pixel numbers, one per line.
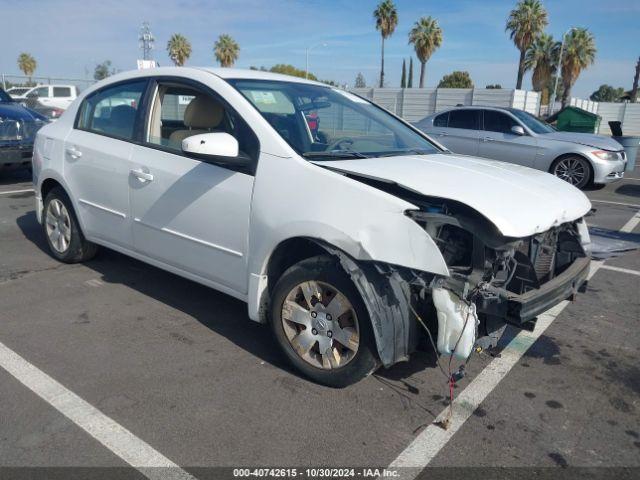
(18,127)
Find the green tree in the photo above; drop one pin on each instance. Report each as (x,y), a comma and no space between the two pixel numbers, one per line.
(525,23)
(360,81)
(27,64)
(607,93)
(456,79)
(579,53)
(494,86)
(426,37)
(410,80)
(403,78)
(286,69)
(103,70)
(386,17)
(179,49)
(542,58)
(226,50)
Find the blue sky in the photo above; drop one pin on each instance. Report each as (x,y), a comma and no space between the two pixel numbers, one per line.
(68,37)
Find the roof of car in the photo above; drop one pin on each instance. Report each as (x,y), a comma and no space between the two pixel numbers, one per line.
(241,73)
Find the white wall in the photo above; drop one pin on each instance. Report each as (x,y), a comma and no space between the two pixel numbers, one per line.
(414,104)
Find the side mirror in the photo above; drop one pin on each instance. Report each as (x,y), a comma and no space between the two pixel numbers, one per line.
(518,130)
(215,147)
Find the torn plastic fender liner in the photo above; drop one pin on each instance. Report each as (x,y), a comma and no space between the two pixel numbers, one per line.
(386,296)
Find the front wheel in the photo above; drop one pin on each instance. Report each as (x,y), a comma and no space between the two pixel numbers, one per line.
(573,169)
(320,322)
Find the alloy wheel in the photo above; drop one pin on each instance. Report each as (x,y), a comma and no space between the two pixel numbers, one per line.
(321,325)
(572,170)
(58,225)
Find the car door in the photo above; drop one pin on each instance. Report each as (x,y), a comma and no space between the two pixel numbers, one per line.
(499,142)
(462,132)
(189,213)
(37,96)
(97,161)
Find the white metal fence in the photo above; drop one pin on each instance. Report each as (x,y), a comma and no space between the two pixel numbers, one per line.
(627,113)
(414,104)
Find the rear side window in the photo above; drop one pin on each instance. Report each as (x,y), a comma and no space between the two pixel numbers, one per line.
(61,91)
(441,120)
(468,119)
(112,111)
(495,121)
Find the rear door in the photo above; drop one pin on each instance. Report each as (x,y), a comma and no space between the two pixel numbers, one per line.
(462,132)
(188,213)
(97,160)
(61,97)
(500,143)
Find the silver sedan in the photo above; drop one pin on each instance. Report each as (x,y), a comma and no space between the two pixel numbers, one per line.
(515,136)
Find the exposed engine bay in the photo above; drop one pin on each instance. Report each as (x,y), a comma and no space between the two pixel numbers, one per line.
(494,279)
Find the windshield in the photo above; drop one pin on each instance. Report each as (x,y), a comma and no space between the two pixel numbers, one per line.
(4,97)
(323,123)
(535,125)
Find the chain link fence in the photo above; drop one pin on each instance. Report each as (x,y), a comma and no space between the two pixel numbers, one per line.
(8,81)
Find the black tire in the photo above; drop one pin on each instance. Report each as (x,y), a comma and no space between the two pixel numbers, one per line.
(586,181)
(325,269)
(79,248)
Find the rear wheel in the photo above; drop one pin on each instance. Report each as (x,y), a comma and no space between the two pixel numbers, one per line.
(574,170)
(62,230)
(321,323)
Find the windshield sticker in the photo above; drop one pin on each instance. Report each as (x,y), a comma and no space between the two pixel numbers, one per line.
(265,98)
(350,96)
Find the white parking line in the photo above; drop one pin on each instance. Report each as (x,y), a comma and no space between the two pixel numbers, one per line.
(17,191)
(137,453)
(621,270)
(635,205)
(432,439)
(631,224)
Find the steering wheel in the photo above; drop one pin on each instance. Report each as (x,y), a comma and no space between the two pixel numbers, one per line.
(337,144)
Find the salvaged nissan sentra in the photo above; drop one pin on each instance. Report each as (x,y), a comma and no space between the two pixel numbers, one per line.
(337,222)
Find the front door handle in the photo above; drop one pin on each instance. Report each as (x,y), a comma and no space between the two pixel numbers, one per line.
(488,139)
(142,176)
(74,152)
(442,134)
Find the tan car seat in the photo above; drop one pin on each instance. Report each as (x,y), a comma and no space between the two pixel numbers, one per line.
(202,115)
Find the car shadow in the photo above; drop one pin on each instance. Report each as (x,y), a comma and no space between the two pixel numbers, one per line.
(629,190)
(217,311)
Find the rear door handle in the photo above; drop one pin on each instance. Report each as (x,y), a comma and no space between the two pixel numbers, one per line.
(142,176)
(488,139)
(442,134)
(74,152)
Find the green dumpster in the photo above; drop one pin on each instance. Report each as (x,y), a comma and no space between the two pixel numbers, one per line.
(574,119)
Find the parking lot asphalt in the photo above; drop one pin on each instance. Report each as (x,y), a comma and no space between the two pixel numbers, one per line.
(183,369)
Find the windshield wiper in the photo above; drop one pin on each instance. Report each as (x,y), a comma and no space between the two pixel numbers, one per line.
(345,154)
(415,151)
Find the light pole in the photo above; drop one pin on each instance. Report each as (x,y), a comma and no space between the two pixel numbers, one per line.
(306,72)
(552,101)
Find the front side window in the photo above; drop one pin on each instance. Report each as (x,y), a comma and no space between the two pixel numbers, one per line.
(42,92)
(326,123)
(61,91)
(112,111)
(495,121)
(180,111)
(467,119)
(535,125)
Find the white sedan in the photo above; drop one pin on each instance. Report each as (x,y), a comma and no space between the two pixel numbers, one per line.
(348,230)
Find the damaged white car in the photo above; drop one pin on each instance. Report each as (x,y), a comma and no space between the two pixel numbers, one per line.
(337,222)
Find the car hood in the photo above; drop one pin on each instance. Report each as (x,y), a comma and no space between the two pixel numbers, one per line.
(15,111)
(518,200)
(588,139)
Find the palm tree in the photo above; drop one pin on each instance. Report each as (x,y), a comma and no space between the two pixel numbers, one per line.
(179,49)
(526,22)
(426,36)
(386,17)
(226,50)
(27,64)
(579,53)
(542,57)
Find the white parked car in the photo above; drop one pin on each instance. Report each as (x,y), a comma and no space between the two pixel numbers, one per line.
(52,96)
(337,222)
